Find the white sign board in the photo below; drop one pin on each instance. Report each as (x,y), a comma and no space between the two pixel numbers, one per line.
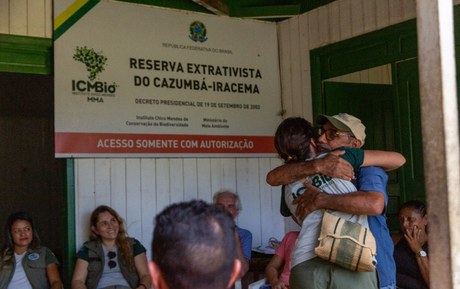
(134,80)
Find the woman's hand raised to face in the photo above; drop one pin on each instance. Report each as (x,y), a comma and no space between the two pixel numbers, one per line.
(416,237)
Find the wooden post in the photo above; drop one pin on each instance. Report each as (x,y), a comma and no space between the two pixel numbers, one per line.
(438,99)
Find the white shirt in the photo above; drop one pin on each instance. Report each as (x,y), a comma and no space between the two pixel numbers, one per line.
(111,276)
(311,226)
(19,279)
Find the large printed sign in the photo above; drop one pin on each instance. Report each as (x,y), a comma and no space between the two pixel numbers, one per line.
(133,80)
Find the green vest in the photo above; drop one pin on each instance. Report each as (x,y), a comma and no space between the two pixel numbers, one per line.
(34,263)
(96,263)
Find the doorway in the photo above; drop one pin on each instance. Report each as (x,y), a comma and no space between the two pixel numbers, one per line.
(32,180)
(373,104)
(390,109)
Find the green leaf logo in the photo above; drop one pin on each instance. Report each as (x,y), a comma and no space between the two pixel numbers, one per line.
(94,61)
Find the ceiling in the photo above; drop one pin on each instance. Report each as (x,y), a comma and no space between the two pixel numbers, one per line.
(272,10)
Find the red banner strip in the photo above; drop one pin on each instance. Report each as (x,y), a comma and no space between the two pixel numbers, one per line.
(118,143)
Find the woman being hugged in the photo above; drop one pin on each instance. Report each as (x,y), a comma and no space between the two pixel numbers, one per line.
(110,259)
(24,263)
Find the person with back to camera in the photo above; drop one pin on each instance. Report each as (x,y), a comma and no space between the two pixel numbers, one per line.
(295,141)
(24,263)
(411,252)
(344,130)
(278,269)
(194,247)
(110,259)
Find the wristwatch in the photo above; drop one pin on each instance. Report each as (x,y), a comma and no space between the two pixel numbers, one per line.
(422,253)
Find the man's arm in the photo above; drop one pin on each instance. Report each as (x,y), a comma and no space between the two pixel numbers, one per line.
(357,203)
(331,165)
(272,271)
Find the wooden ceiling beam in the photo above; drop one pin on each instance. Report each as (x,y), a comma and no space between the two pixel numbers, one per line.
(217,7)
(268,11)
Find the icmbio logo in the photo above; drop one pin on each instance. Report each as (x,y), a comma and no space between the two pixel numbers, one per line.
(95,63)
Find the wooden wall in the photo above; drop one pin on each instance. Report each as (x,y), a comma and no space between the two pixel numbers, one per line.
(26,17)
(328,24)
(375,75)
(139,188)
(32,180)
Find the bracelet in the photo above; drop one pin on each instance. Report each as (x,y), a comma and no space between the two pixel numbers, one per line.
(145,287)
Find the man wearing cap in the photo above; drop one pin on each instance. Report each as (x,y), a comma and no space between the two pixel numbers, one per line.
(344,130)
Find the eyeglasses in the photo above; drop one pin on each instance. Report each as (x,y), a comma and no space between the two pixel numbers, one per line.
(112,263)
(332,134)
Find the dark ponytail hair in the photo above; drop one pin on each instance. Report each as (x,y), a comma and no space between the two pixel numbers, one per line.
(292,139)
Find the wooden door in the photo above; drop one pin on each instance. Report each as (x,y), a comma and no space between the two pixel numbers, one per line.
(410,129)
(373,104)
(31,179)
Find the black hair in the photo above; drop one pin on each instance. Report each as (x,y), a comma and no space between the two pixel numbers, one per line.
(8,242)
(415,205)
(194,245)
(292,139)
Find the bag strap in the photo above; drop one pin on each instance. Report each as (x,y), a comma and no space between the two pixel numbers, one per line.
(346,237)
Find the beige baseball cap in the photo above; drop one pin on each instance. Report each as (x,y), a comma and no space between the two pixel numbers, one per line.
(345,122)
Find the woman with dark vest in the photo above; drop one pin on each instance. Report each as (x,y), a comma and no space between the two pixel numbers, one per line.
(24,263)
(110,259)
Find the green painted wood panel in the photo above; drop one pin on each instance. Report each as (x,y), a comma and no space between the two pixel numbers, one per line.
(26,54)
(384,46)
(245,8)
(409,128)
